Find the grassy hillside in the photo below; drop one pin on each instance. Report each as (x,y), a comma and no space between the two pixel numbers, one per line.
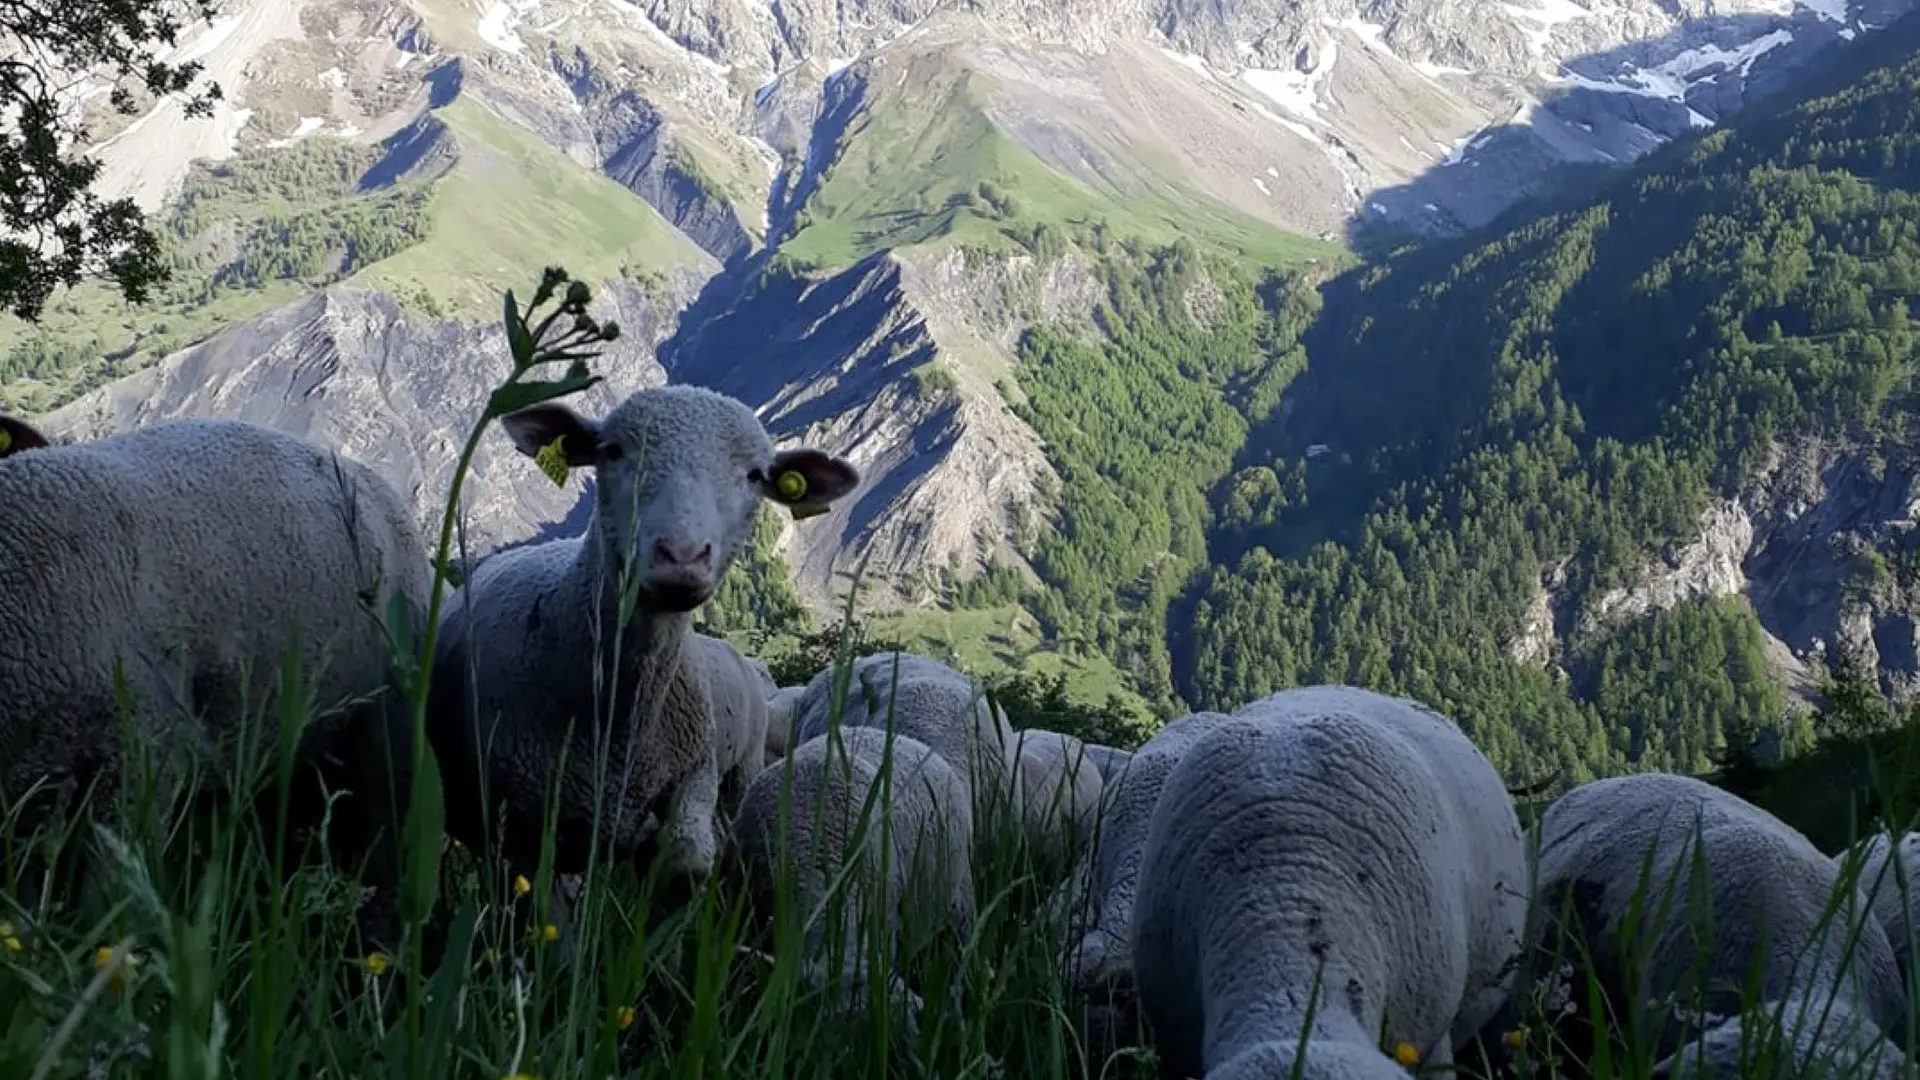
(921,162)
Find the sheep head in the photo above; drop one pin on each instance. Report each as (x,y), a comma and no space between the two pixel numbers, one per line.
(681,471)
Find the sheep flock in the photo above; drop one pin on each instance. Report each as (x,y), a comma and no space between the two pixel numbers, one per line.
(1327,882)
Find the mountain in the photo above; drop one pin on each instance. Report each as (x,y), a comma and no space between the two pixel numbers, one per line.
(1072,282)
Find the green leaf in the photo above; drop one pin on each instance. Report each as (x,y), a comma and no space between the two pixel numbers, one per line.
(519,338)
(513,397)
(426,829)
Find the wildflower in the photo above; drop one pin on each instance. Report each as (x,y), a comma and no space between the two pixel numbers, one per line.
(521,886)
(1406,1055)
(578,293)
(490,957)
(625,1017)
(1517,1037)
(549,932)
(9,937)
(103,956)
(376,964)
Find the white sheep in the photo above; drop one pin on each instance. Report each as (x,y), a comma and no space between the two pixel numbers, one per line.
(925,845)
(738,698)
(1336,833)
(1769,892)
(534,638)
(1056,789)
(925,699)
(1882,884)
(783,705)
(1108,759)
(192,556)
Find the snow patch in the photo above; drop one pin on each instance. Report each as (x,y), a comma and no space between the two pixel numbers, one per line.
(660,37)
(1846,33)
(497,24)
(1372,35)
(1262,185)
(307,126)
(1273,172)
(1297,92)
(1830,10)
(219,30)
(1672,80)
(404,59)
(335,78)
(838,64)
(1187,60)
(1550,14)
(1434,71)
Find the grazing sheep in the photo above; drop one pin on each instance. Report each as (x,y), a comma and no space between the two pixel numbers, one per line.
(1108,759)
(1877,879)
(739,713)
(197,556)
(926,847)
(1097,899)
(1325,832)
(783,705)
(535,637)
(1770,889)
(1056,789)
(932,702)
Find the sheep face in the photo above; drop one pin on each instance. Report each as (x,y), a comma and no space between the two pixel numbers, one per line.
(681,471)
(17,435)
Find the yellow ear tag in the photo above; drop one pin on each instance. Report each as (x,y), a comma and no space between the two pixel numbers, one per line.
(553,461)
(791,485)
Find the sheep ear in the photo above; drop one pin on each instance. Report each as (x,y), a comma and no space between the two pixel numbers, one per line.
(806,481)
(537,427)
(17,435)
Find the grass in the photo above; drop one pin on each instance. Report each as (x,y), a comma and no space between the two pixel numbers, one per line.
(502,205)
(207,952)
(922,163)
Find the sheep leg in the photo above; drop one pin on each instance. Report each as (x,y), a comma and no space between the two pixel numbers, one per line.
(377,762)
(687,838)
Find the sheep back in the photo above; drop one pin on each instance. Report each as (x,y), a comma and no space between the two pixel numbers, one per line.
(1768,884)
(930,701)
(925,804)
(1331,827)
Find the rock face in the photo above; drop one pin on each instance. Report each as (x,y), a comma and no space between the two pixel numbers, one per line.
(1823,541)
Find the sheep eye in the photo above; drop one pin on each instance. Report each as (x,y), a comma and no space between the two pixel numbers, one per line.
(756,476)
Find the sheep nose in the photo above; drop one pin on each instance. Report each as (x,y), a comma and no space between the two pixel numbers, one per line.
(682,555)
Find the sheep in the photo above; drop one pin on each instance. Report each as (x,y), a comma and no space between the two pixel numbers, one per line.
(783,706)
(1095,903)
(533,638)
(829,780)
(932,702)
(1332,834)
(198,556)
(1108,759)
(764,683)
(1878,880)
(1770,890)
(738,698)
(1056,789)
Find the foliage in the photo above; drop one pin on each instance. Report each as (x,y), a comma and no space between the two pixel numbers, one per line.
(57,229)
(757,592)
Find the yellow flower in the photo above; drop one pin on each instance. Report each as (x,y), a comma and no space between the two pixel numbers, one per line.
(9,937)
(1406,1055)
(549,932)
(521,885)
(103,956)
(376,963)
(625,1017)
(1516,1038)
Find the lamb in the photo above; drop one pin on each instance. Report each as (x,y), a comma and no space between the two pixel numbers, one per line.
(1333,833)
(1893,904)
(535,637)
(927,848)
(739,701)
(1770,891)
(199,555)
